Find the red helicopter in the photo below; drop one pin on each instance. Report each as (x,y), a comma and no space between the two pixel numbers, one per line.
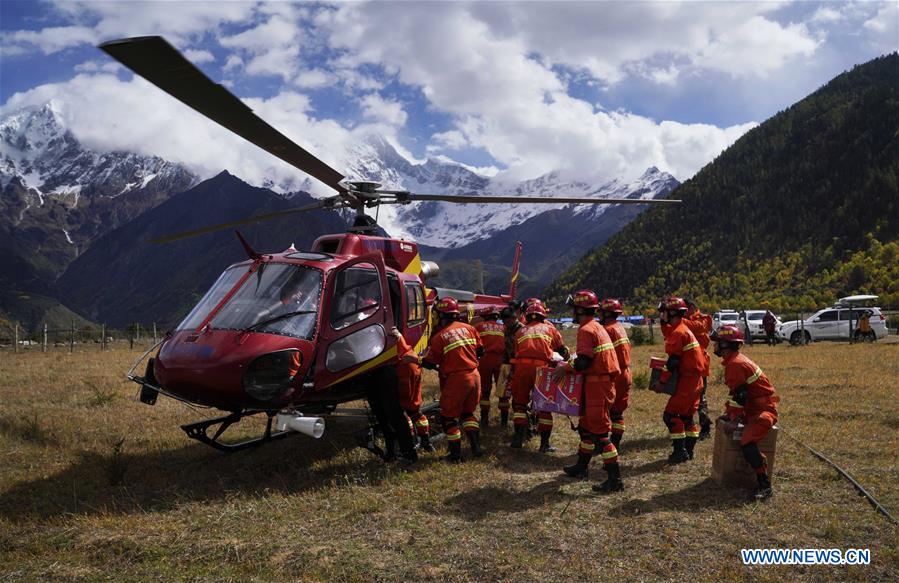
(292,335)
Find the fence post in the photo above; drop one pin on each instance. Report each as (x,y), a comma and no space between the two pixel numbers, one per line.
(72,337)
(15,339)
(44,342)
(154,333)
(651,339)
(131,338)
(103,337)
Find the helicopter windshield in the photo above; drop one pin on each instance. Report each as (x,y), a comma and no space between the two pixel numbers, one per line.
(278,298)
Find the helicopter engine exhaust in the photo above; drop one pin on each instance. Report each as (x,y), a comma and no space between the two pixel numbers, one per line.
(429,270)
(311,426)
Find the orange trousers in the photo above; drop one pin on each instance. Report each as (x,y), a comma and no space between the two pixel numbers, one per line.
(622,399)
(523,379)
(459,393)
(489,367)
(685,400)
(599,394)
(757,427)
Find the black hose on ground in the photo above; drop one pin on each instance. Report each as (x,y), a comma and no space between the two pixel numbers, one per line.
(861,491)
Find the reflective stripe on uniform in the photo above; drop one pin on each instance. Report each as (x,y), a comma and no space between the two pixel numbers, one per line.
(610,454)
(734,404)
(691,345)
(604,347)
(456,436)
(586,446)
(545,422)
(485,403)
(534,337)
(519,415)
(617,425)
(458,343)
(470,425)
(692,433)
(423,422)
(492,333)
(755,376)
(621,341)
(680,435)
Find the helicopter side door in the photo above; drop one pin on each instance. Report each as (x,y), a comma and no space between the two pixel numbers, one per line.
(415,314)
(355,321)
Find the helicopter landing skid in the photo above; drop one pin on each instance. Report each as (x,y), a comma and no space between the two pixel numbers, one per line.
(199,430)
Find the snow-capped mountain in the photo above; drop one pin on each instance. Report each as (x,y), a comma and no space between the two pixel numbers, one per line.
(439,224)
(57,197)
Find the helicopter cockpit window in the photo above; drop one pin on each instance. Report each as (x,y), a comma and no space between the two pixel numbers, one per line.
(415,300)
(212,298)
(278,298)
(357,296)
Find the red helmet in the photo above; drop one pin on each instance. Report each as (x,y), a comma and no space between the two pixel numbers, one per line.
(584,298)
(675,304)
(728,333)
(447,306)
(611,305)
(530,301)
(535,308)
(489,312)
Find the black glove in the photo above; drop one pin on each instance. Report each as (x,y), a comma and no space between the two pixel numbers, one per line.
(428,365)
(673,363)
(480,351)
(564,352)
(741,394)
(582,362)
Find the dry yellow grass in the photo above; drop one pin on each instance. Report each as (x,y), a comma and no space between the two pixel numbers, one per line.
(97,486)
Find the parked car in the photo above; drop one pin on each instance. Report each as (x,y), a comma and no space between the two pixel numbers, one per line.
(725,317)
(756,329)
(832,324)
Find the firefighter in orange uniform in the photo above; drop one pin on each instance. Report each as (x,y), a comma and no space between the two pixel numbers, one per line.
(752,402)
(684,357)
(701,326)
(511,325)
(535,343)
(596,360)
(610,310)
(408,372)
(493,335)
(454,350)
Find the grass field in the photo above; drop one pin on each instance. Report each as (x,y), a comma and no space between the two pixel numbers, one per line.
(95,485)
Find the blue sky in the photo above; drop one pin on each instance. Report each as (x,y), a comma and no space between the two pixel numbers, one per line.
(596,90)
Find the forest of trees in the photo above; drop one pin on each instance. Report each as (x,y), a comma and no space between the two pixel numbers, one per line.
(799,211)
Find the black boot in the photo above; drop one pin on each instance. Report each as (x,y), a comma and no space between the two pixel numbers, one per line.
(579,469)
(679,455)
(485,418)
(705,432)
(545,447)
(689,444)
(504,418)
(615,438)
(455,451)
(474,441)
(764,491)
(518,438)
(614,483)
(424,443)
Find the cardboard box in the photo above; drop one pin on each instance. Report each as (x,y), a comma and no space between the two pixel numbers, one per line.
(729,467)
(656,367)
(563,396)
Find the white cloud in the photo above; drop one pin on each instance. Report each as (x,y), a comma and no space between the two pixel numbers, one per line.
(385,110)
(451,140)
(313,79)
(48,40)
(199,56)
(886,21)
(106,113)
(827,14)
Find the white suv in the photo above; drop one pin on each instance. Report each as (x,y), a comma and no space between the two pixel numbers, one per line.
(756,328)
(832,324)
(725,317)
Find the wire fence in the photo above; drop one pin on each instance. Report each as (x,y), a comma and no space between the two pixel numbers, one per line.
(16,338)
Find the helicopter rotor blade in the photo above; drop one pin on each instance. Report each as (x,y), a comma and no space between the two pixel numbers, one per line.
(477,199)
(331,202)
(161,64)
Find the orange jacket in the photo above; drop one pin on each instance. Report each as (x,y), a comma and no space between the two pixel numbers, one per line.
(537,340)
(404,352)
(681,342)
(701,325)
(621,342)
(454,348)
(739,370)
(594,342)
(493,335)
